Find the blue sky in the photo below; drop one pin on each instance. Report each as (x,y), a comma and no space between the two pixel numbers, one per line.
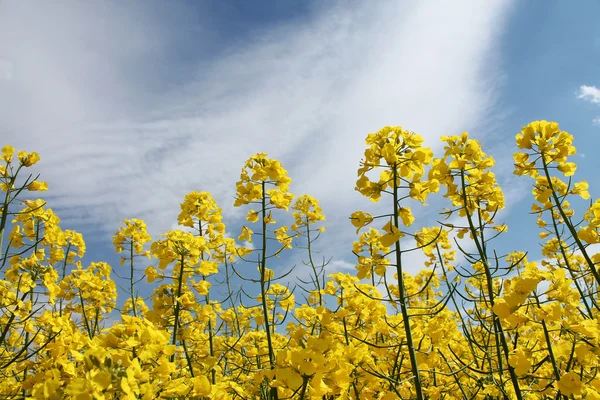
(131,106)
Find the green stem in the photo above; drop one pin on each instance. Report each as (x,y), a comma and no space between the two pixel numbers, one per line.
(64,273)
(402,299)
(210,329)
(4,217)
(569,225)
(83,314)
(131,278)
(499,331)
(263,290)
(177,306)
(312,264)
(569,268)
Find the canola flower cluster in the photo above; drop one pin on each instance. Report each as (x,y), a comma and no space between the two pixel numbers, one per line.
(469,325)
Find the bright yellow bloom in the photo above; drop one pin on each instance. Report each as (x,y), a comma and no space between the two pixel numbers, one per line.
(520,361)
(252,216)
(501,308)
(152,274)
(392,235)
(28,159)
(360,219)
(246,234)
(570,384)
(38,186)
(207,268)
(7,153)
(406,216)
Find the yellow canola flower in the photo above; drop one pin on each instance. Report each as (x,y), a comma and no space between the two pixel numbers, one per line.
(307,211)
(581,188)
(520,361)
(501,308)
(570,384)
(406,215)
(200,210)
(279,198)
(7,153)
(404,157)
(152,274)
(392,235)
(202,287)
(176,245)
(207,268)
(360,219)
(374,261)
(37,186)
(246,234)
(256,173)
(283,237)
(252,216)
(465,172)
(28,159)
(567,168)
(546,139)
(588,235)
(133,233)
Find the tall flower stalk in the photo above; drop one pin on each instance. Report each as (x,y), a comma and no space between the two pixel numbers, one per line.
(258,173)
(403,158)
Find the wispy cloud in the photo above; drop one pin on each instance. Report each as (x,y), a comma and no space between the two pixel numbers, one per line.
(126,130)
(591,94)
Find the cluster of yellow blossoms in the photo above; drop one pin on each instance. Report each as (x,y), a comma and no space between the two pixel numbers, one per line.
(470,325)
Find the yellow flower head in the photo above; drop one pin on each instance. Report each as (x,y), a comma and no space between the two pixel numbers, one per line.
(360,219)
(401,151)
(199,210)
(28,159)
(7,153)
(570,384)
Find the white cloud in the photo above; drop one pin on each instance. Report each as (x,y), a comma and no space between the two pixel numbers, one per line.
(589,93)
(341,265)
(124,131)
